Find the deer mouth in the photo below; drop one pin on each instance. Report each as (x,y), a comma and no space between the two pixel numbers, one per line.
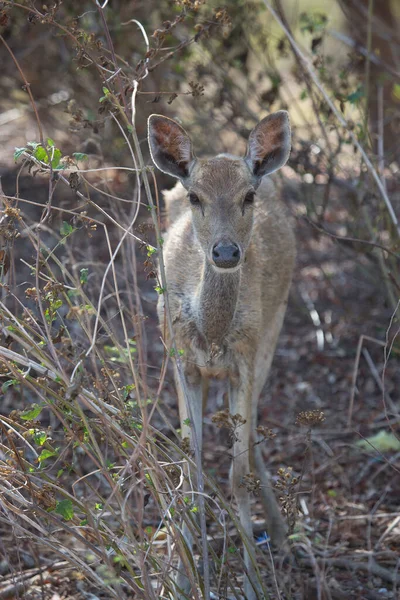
(226,269)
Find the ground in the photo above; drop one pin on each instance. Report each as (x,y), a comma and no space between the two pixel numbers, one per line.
(347,499)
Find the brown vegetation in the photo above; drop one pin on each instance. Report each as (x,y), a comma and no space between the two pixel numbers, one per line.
(91,494)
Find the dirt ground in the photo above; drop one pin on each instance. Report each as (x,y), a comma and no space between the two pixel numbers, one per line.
(348,498)
(334,355)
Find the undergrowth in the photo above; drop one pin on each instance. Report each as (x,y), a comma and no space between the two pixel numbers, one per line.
(91,469)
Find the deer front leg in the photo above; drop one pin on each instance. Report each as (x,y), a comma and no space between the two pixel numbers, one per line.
(191,428)
(240,397)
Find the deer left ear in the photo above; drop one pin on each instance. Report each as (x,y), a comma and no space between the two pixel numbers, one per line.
(170,146)
(269,144)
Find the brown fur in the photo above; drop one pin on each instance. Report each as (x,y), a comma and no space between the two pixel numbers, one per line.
(270,254)
(227,322)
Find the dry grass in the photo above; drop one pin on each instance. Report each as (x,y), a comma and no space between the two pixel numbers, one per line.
(91,461)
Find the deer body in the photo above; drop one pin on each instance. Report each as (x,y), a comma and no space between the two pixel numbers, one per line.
(219,317)
(229,256)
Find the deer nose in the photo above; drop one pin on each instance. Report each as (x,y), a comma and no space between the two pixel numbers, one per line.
(226,255)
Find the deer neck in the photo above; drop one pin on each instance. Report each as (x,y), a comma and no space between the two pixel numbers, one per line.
(217,299)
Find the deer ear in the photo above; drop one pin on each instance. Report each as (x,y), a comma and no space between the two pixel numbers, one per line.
(269,144)
(170,146)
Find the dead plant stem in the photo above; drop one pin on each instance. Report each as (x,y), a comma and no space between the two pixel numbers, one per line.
(336,112)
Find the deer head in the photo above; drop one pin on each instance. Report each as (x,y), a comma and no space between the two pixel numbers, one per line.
(221,190)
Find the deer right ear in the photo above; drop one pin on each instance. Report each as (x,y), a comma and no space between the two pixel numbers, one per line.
(170,146)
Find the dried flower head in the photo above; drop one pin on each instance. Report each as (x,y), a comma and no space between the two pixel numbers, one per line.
(185,446)
(174,473)
(190,4)
(265,433)
(286,485)
(224,420)
(12,213)
(310,418)
(251,483)
(31,293)
(196,89)
(45,496)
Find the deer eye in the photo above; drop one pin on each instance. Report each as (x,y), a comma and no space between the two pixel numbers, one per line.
(249,197)
(194,200)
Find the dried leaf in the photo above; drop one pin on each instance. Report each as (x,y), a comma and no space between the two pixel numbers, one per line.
(4,262)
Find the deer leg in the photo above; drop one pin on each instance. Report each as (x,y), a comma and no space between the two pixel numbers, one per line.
(276,525)
(188,427)
(240,403)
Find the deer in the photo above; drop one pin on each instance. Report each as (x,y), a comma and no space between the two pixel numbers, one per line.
(229,256)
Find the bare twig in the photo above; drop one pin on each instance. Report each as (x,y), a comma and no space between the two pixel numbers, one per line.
(376,60)
(28,89)
(339,116)
(355,371)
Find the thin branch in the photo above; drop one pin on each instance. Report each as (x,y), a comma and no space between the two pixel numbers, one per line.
(339,116)
(349,240)
(359,48)
(28,89)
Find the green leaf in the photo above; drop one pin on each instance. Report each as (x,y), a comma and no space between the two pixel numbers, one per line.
(18,152)
(33,145)
(8,384)
(127,390)
(46,453)
(356,96)
(66,229)
(80,156)
(50,142)
(72,293)
(383,441)
(83,276)
(120,356)
(396,91)
(111,350)
(313,22)
(40,437)
(106,93)
(65,508)
(56,304)
(56,157)
(120,560)
(32,413)
(41,154)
